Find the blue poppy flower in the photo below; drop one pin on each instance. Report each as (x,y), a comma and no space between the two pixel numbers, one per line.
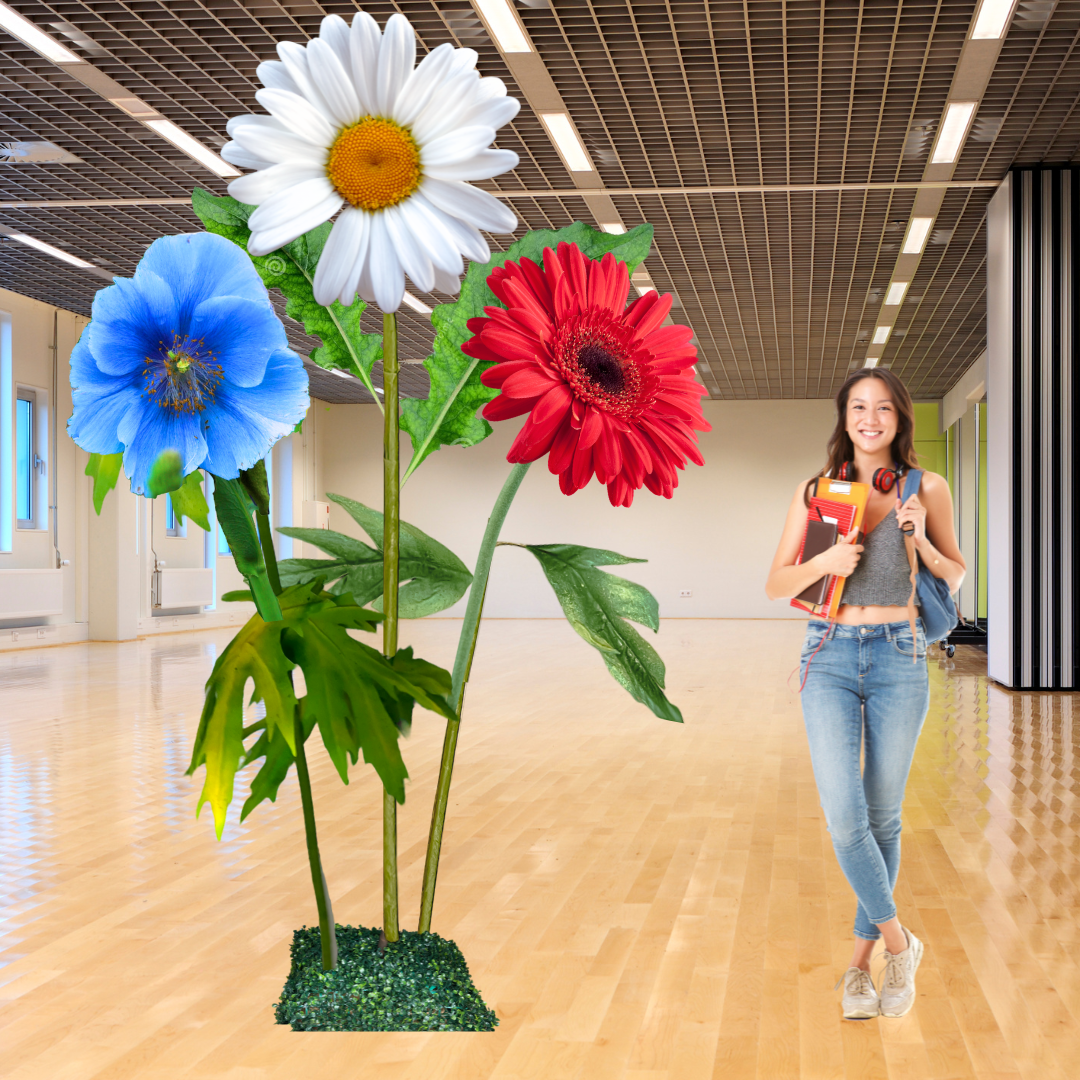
(186,356)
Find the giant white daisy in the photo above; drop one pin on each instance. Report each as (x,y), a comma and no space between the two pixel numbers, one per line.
(354,124)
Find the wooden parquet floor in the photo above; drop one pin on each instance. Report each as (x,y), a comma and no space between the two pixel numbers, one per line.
(636,899)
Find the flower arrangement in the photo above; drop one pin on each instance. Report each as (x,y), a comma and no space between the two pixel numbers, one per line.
(186,367)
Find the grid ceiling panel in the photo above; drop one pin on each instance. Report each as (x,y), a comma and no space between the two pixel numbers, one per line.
(782,289)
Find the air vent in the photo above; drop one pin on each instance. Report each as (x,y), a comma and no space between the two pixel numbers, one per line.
(918,140)
(35,153)
(1033,14)
(986,128)
(465,25)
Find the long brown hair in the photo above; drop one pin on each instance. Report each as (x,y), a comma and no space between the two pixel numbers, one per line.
(840,447)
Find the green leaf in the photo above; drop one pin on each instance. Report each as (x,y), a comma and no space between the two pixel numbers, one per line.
(166,474)
(189,501)
(234,509)
(598,605)
(291,269)
(447,416)
(355,696)
(433,577)
(105,469)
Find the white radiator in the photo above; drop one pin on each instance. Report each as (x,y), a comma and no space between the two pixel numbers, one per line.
(30,594)
(176,588)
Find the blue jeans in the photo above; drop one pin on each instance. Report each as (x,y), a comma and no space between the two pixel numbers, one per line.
(864,691)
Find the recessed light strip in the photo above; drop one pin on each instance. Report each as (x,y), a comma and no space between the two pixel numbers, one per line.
(954,129)
(895,296)
(994,16)
(918,231)
(192,147)
(504,25)
(48,249)
(29,33)
(567,141)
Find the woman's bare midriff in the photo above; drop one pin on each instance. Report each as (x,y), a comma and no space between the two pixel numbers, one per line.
(852,615)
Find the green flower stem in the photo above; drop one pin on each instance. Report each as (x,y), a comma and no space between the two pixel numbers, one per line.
(462,666)
(327,931)
(266,541)
(391,541)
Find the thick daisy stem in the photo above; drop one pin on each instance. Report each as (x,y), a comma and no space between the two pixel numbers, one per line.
(462,666)
(391,536)
(327,931)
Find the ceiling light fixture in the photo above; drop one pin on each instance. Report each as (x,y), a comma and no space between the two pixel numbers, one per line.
(895,296)
(954,129)
(379,390)
(136,108)
(192,147)
(871,361)
(994,16)
(918,231)
(881,335)
(30,34)
(616,228)
(567,141)
(417,305)
(340,374)
(48,249)
(503,23)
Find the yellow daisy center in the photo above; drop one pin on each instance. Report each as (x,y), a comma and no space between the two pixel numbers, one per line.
(374,163)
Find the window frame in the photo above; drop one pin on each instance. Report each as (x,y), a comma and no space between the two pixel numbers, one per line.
(175,528)
(28,395)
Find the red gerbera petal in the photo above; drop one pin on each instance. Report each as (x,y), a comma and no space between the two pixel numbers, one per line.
(608,389)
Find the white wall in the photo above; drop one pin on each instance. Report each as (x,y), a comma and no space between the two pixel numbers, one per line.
(716,537)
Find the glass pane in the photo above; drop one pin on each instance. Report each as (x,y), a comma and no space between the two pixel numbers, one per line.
(222,543)
(24,458)
(170,514)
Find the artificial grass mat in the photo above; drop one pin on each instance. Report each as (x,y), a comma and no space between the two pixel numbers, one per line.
(420,983)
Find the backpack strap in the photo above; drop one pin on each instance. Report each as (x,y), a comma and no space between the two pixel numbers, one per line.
(910,483)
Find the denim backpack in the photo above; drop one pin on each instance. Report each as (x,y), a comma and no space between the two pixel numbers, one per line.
(939,613)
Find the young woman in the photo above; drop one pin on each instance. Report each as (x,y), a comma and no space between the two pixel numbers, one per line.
(862,691)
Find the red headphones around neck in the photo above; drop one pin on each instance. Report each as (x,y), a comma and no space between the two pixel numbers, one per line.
(884,480)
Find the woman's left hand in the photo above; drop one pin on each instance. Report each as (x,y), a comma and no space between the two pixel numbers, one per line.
(914,511)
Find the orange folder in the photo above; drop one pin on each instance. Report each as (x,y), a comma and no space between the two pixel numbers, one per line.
(844,502)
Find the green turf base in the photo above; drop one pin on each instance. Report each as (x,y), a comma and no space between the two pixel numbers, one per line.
(421,983)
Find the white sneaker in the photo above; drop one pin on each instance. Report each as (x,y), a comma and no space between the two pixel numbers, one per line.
(898,982)
(861,1000)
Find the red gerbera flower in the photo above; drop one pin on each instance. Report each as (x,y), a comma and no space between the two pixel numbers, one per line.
(608,389)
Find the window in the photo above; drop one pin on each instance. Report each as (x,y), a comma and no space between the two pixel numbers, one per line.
(173,525)
(27,462)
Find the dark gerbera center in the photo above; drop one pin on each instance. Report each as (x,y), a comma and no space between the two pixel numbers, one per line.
(601,367)
(184,376)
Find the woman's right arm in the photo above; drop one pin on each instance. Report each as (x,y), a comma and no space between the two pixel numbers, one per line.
(788,578)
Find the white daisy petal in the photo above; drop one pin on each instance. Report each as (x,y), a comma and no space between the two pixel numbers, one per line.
(460,145)
(441,249)
(429,75)
(360,260)
(483,166)
(447,283)
(397,55)
(256,188)
(299,115)
(334,30)
(273,145)
(470,204)
(235,154)
(364,288)
(254,120)
(447,105)
(295,59)
(465,59)
(491,87)
(335,86)
(468,239)
(295,201)
(387,279)
(274,74)
(364,39)
(297,223)
(338,256)
(410,252)
(493,112)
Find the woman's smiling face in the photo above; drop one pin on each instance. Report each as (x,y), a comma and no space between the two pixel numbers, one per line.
(872,419)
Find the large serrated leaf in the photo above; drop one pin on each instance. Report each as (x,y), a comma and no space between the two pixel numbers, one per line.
(597,606)
(105,469)
(447,416)
(433,577)
(355,696)
(291,270)
(188,501)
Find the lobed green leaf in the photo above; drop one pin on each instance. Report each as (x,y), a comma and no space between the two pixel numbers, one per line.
(597,606)
(188,501)
(105,469)
(448,415)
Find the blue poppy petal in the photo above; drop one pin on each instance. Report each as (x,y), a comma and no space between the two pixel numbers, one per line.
(161,430)
(240,333)
(199,266)
(283,393)
(129,321)
(237,438)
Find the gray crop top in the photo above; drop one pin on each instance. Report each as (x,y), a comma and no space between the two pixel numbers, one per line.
(883,575)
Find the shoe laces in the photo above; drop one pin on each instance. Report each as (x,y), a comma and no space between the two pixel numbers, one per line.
(895,971)
(859,984)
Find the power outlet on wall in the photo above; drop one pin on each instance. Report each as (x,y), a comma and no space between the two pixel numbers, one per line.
(686,592)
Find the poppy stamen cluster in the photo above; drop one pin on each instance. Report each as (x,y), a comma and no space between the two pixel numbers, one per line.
(184,377)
